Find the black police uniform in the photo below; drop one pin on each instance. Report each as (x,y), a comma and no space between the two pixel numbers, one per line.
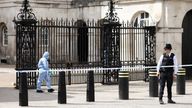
(166,75)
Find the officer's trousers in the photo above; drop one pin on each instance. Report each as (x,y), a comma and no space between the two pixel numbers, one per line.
(166,77)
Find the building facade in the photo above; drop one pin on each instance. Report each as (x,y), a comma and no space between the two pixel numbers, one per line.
(172,19)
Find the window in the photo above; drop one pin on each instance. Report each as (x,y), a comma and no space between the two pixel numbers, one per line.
(44,36)
(143,19)
(5,36)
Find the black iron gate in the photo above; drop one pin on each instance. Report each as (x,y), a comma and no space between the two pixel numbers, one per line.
(110,45)
(25,23)
(150,49)
(81,45)
(110,50)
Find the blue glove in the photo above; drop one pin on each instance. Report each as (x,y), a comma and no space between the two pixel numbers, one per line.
(50,73)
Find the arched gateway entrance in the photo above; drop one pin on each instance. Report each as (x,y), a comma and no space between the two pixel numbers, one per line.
(186,42)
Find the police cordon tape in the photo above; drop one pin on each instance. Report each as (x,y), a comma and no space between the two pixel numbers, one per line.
(123,68)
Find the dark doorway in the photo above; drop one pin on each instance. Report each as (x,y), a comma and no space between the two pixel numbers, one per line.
(186,42)
(82,33)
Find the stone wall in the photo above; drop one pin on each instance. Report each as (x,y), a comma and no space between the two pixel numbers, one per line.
(167,15)
(169,29)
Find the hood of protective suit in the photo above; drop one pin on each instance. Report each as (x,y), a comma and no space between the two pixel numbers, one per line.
(46,55)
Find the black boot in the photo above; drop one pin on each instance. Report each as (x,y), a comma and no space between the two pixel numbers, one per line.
(161,100)
(50,90)
(171,101)
(39,91)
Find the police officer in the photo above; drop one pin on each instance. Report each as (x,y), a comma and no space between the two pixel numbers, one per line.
(167,74)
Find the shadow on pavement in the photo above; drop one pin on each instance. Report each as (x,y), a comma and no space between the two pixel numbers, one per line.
(8,94)
(184,103)
(141,99)
(40,106)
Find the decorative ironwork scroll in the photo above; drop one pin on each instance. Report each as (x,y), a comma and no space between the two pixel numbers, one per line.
(111,16)
(26,12)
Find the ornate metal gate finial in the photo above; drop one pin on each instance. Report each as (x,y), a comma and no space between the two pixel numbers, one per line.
(111,16)
(26,12)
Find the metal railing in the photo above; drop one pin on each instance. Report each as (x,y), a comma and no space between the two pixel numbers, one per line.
(80,44)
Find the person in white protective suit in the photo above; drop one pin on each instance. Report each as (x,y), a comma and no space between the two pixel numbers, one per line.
(43,67)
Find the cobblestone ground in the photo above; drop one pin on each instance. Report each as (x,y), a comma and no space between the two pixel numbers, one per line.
(106,96)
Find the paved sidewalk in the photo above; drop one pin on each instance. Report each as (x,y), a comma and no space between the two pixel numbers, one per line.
(106,96)
(7,75)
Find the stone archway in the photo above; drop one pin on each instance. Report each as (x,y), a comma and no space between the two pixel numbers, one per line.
(186,42)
